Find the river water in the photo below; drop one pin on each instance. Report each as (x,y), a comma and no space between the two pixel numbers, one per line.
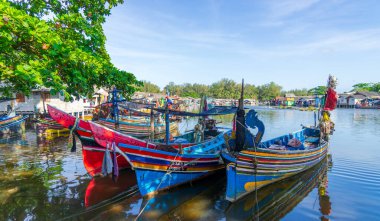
(42,180)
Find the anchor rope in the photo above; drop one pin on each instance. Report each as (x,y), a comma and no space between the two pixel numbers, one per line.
(255,172)
(168,172)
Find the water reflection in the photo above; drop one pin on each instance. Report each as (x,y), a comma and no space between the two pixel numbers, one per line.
(324,199)
(105,189)
(33,183)
(189,202)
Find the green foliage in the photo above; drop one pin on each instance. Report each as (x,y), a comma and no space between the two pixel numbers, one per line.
(376,87)
(195,90)
(58,45)
(320,90)
(367,87)
(149,87)
(250,91)
(298,92)
(225,88)
(269,91)
(173,89)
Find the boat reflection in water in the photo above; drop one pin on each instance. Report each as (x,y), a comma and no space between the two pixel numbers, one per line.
(205,199)
(186,202)
(276,200)
(102,190)
(324,198)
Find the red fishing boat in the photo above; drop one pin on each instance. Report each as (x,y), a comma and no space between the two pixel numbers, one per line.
(92,152)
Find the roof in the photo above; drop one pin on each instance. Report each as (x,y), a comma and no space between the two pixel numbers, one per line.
(344,95)
(357,96)
(368,93)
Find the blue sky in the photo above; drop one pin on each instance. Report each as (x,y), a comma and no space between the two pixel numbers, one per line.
(296,44)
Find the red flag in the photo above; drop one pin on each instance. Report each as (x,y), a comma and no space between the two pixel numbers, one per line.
(331,100)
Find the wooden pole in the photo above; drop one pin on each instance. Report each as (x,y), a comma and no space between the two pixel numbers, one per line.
(240,121)
(151,124)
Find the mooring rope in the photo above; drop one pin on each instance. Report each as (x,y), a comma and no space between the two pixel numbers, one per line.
(168,172)
(255,172)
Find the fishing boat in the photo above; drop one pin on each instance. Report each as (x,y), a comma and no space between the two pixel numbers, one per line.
(12,124)
(92,153)
(275,201)
(161,166)
(252,163)
(135,119)
(48,128)
(137,128)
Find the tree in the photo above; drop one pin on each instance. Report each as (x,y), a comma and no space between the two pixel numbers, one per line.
(376,87)
(149,87)
(59,45)
(173,89)
(201,90)
(299,92)
(320,90)
(250,91)
(194,90)
(225,88)
(363,87)
(269,91)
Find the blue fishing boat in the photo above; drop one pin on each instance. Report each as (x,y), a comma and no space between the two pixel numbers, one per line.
(252,164)
(275,201)
(161,166)
(11,124)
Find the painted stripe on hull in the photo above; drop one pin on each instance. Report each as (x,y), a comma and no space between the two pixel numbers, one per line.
(241,178)
(151,181)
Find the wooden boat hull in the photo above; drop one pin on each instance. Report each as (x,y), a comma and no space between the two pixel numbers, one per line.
(49,128)
(250,170)
(9,125)
(283,196)
(152,181)
(158,169)
(138,129)
(92,152)
(93,159)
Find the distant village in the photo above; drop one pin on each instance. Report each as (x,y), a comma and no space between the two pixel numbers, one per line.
(359,99)
(37,101)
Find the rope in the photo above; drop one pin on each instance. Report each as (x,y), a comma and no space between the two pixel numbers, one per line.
(168,172)
(255,173)
(255,166)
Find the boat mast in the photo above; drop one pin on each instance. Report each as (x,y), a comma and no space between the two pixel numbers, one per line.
(240,121)
(151,123)
(167,122)
(115,107)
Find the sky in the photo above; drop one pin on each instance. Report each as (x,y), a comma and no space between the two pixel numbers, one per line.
(294,43)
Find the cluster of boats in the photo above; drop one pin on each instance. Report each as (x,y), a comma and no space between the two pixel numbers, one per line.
(112,144)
